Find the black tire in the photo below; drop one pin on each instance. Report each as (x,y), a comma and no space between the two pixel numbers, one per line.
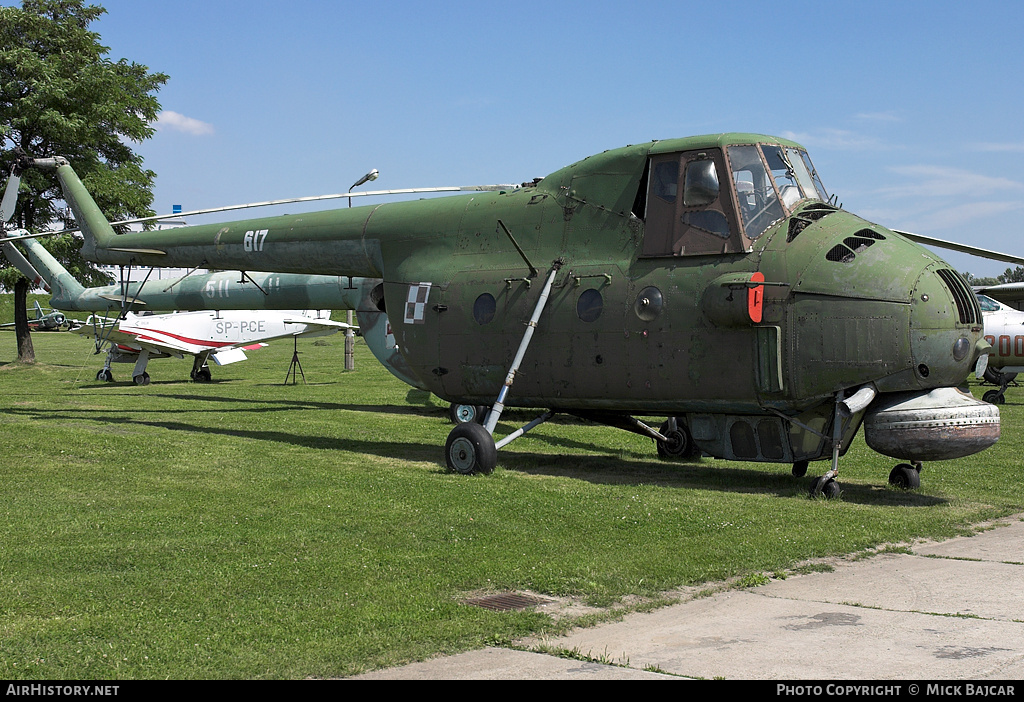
(470,449)
(905,477)
(141,379)
(800,469)
(994,397)
(829,489)
(203,375)
(104,375)
(461,414)
(680,445)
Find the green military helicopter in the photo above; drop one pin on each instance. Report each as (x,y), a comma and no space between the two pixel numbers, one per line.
(710,280)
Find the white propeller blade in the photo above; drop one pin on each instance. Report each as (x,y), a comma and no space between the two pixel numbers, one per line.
(10,198)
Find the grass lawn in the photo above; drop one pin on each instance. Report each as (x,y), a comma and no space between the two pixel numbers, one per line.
(245,528)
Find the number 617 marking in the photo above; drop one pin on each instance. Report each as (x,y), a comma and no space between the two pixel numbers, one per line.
(253,240)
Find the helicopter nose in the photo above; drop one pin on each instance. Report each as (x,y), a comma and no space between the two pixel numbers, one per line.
(939,421)
(946,328)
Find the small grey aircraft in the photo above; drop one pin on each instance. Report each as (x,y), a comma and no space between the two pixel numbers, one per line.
(51,321)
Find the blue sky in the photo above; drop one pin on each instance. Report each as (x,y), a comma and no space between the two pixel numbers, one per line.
(911,111)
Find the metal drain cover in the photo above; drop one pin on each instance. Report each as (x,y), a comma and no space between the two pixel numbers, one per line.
(506,601)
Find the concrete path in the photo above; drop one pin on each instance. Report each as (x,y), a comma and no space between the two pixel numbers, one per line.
(948,610)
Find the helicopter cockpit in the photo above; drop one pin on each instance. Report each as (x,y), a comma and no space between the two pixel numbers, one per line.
(689,213)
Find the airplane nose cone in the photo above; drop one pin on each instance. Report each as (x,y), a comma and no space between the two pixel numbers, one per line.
(934,425)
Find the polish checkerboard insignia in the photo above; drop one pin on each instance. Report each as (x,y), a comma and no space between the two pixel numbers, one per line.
(416,304)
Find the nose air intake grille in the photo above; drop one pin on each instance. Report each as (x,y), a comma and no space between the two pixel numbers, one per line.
(966,304)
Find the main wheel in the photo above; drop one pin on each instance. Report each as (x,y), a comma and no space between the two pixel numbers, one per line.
(202,375)
(470,449)
(829,489)
(800,469)
(141,379)
(680,444)
(460,414)
(905,477)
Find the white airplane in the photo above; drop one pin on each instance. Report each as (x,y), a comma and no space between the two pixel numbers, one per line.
(1004,329)
(221,336)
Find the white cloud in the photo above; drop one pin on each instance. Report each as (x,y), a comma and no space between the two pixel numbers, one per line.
(178,122)
(1007,147)
(944,181)
(957,217)
(879,117)
(834,139)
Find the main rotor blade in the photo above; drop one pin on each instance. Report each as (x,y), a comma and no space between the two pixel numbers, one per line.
(10,198)
(963,248)
(314,198)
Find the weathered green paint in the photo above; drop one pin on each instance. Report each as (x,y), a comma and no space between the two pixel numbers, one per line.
(846,302)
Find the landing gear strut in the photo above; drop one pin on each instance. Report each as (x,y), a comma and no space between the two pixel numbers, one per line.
(1003,380)
(470,447)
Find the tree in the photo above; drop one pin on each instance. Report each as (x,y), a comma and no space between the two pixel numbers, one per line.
(1012,275)
(60,95)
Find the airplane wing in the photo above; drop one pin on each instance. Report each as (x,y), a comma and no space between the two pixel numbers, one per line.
(317,327)
(1004,292)
(136,339)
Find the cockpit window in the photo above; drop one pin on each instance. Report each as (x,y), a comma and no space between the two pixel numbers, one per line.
(758,201)
(987,303)
(688,212)
(822,193)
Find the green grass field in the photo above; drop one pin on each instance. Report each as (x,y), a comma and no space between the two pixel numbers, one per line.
(246,528)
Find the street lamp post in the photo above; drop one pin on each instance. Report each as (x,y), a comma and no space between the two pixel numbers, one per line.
(350,336)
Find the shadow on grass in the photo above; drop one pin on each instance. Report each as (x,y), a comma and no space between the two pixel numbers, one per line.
(612,469)
(775,479)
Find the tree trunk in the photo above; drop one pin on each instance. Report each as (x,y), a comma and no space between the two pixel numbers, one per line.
(26,354)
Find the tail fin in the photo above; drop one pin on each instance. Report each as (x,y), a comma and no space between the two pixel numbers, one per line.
(65,290)
(96,229)
(12,254)
(39,310)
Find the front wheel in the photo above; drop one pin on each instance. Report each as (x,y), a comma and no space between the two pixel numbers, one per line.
(905,477)
(470,449)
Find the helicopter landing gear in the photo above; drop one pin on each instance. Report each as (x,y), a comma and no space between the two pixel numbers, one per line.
(906,476)
(460,414)
(1003,380)
(994,397)
(800,469)
(680,444)
(470,449)
(104,375)
(141,379)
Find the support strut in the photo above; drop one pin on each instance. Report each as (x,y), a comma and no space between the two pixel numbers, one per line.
(531,326)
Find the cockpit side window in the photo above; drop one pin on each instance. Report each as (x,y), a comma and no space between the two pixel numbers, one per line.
(689,212)
(987,303)
(758,201)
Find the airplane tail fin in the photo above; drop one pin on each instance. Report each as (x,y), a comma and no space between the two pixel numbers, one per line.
(39,310)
